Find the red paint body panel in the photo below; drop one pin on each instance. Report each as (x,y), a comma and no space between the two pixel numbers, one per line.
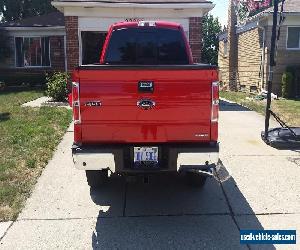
(182,111)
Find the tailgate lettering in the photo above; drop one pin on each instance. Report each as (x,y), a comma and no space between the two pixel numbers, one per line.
(93,104)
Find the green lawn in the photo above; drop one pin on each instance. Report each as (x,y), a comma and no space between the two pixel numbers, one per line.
(287,110)
(28,137)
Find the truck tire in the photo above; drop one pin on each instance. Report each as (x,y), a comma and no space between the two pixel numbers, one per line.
(96,178)
(195,179)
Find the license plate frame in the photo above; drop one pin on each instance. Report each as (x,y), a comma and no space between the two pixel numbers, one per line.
(146,157)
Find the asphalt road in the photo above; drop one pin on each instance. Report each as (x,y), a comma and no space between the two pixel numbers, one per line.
(256,187)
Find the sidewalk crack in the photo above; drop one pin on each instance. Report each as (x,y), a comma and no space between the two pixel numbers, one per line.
(6,230)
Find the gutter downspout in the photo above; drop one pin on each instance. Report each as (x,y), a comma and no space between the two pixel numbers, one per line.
(263,56)
(65,53)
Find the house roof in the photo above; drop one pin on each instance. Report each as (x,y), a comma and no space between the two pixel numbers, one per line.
(56,19)
(53,19)
(205,5)
(290,7)
(188,7)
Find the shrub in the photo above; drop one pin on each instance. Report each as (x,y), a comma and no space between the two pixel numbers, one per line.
(287,84)
(57,86)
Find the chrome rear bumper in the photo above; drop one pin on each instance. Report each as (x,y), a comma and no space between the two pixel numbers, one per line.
(117,158)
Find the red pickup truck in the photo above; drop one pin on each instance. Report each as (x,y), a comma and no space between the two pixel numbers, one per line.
(146,108)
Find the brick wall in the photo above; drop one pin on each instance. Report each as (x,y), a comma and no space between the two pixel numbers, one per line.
(57,53)
(18,76)
(246,71)
(71,24)
(223,64)
(195,35)
(228,64)
(249,60)
(249,72)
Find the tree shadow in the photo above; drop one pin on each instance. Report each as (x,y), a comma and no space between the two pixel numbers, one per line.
(166,213)
(231,106)
(4,116)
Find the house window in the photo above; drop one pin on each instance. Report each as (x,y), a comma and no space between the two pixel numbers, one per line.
(225,52)
(32,51)
(293,40)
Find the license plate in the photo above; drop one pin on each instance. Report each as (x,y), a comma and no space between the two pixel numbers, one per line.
(145,154)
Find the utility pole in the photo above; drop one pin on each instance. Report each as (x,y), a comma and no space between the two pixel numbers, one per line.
(272,65)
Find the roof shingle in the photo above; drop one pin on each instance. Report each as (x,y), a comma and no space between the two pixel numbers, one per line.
(138,1)
(57,18)
(49,20)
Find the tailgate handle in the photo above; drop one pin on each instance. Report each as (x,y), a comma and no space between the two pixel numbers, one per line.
(146,104)
(146,86)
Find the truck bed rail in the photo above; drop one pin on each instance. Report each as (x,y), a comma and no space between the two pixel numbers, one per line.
(148,67)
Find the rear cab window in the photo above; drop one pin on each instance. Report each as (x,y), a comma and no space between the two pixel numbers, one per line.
(146,46)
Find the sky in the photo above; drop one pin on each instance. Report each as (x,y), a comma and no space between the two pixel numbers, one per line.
(220,10)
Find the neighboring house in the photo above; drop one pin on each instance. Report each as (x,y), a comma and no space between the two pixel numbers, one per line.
(37,46)
(62,41)
(245,49)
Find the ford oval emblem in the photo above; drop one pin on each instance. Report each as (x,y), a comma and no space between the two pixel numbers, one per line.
(146,104)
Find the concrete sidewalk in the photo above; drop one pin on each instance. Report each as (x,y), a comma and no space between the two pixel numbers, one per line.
(257,187)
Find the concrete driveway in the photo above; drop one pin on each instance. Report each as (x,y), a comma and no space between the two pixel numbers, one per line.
(257,187)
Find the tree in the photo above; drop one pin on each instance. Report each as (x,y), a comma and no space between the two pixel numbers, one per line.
(210,39)
(19,9)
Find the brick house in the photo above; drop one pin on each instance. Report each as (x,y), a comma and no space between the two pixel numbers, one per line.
(37,46)
(75,35)
(244,49)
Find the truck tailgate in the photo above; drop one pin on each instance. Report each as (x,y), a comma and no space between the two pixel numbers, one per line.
(182,110)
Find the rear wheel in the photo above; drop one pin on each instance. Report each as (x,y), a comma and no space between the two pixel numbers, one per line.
(195,179)
(96,178)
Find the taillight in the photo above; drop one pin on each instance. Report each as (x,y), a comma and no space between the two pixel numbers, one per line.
(215,102)
(76,103)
